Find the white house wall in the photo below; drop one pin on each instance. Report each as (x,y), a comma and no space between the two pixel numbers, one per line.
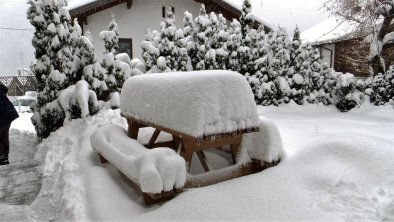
(327,53)
(133,22)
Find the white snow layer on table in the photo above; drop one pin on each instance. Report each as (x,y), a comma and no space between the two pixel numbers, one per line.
(155,170)
(195,103)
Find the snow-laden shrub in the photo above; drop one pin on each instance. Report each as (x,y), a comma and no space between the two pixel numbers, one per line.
(78,101)
(383,88)
(48,119)
(346,93)
(160,67)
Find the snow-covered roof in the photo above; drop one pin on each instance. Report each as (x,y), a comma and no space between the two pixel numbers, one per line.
(329,31)
(199,103)
(227,7)
(73,4)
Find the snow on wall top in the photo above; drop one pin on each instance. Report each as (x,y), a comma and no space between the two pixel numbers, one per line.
(329,31)
(197,103)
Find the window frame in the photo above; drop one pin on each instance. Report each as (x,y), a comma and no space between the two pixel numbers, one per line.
(130,41)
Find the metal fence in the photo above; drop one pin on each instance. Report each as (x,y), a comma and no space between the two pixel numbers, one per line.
(18,85)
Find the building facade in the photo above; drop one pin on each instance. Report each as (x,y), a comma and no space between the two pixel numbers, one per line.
(135,16)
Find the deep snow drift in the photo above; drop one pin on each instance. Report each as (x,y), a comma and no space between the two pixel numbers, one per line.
(337,166)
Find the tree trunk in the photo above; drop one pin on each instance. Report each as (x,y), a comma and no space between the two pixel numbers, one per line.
(377,67)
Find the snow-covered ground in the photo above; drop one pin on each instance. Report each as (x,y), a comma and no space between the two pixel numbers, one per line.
(338,166)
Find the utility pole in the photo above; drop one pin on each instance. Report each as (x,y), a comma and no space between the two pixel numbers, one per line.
(23,70)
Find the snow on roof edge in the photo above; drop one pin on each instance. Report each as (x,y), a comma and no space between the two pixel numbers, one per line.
(73,4)
(329,31)
(78,3)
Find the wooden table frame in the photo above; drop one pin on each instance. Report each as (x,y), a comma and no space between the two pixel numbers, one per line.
(185,144)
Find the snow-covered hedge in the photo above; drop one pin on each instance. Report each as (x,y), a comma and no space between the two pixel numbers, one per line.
(196,103)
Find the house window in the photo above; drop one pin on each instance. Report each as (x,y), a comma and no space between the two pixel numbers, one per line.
(126,46)
(164,11)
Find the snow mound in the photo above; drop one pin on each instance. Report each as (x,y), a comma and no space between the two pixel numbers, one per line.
(266,144)
(332,179)
(195,103)
(155,170)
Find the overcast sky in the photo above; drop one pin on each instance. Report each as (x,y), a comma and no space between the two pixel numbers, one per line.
(287,13)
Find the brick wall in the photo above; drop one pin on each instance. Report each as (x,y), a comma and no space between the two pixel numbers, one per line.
(351,56)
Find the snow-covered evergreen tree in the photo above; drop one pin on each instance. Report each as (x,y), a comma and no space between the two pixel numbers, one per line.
(383,88)
(246,19)
(295,51)
(233,44)
(220,38)
(167,46)
(110,38)
(329,79)
(54,61)
(346,94)
(280,64)
(93,73)
(160,67)
(150,51)
(316,78)
(189,32)
(202,23)
(183,60)
(42,67)
(299,80)
(78,64)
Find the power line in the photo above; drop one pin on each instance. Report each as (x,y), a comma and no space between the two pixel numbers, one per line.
(17,29)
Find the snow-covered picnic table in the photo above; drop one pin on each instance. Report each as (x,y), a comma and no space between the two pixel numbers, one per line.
(201,110)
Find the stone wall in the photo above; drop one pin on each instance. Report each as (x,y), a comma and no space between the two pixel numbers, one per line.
(351,56)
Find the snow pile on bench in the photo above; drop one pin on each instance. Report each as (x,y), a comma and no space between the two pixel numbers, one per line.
(265,145)
(194,103)
(156,170)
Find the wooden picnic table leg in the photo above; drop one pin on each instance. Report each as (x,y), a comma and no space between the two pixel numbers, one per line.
(133,129)
(187,151)
(235,147)
(203,160)
(153,138)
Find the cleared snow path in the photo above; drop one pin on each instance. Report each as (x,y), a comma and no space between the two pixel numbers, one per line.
(22,149)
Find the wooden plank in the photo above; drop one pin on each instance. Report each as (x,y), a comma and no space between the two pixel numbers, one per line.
(227,174)
(219,142)
(204,161)
(134,127)
(102,159)
(178,134)
(169,144)
(20,183)
(235,150)
(129,4)
(153,138)
(154,198)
